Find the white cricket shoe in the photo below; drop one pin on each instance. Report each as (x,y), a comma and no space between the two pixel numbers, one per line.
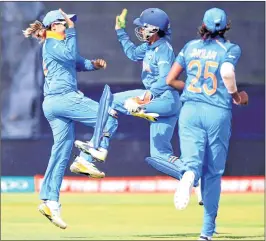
(52,211)
(183,191)
(82,166)
(99,154)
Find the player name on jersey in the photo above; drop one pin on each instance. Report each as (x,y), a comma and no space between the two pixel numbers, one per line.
(203,54)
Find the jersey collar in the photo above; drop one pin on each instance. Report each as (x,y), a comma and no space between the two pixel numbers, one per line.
(55,35)
(220,39)
(157,43)
(214,39)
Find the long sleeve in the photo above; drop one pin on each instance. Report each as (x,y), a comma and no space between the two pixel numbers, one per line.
(133,52)
(83,64)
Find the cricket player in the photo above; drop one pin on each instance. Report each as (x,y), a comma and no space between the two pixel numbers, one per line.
(63,104)
(158,101)
(205,118)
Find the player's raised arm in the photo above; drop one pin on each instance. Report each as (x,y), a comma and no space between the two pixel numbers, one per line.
(133,52)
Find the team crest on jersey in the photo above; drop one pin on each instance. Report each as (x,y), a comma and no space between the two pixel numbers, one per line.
(146,67)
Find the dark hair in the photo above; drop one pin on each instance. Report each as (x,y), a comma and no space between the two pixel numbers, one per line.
(204,33)
(161,33)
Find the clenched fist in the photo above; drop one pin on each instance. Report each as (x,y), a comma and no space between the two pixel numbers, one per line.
(99,64)
(240,98)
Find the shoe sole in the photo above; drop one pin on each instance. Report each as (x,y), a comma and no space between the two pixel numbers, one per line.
(183,192)
(81,148)
(50,219)
(76,170)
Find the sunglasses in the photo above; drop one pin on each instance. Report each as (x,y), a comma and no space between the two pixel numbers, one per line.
(60,22)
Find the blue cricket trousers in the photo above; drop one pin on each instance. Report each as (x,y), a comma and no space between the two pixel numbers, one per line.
(61,111)
(167,106)
(204,132)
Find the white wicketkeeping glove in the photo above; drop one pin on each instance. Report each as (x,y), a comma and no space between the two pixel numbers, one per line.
(132,106)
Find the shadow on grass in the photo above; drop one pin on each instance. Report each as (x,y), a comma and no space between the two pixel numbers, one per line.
(162,236)
(240,237)
(75,237)
(220,236)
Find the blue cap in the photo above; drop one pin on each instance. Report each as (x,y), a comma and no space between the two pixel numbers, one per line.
(215,19)
(55,15)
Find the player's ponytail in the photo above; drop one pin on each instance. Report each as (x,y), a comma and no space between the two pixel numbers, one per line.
(205,34)
(36,30)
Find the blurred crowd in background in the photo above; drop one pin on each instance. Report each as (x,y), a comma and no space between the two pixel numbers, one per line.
(22,77)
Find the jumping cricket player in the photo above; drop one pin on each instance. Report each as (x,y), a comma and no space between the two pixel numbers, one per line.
(64,104)
(158,101)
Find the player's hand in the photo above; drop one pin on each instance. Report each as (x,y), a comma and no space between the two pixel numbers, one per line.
(135,104)
(99,64)
(143,99)
(241,99)
(132,106)
(244,97)
(69,22)
(120,21)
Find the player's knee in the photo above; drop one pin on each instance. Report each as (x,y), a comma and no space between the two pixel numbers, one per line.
(159,157)
(161,149)
(154,160)
(154,153)
(118,100)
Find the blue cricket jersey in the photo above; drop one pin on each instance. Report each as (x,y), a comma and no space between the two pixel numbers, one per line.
(61,62)
(157,58)
(202,61)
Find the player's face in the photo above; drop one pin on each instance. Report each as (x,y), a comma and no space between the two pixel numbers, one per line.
(59,27)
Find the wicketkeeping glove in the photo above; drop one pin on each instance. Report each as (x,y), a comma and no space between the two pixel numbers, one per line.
(121,19)
(135,104)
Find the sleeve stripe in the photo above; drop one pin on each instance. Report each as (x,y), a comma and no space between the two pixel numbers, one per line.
(218,42)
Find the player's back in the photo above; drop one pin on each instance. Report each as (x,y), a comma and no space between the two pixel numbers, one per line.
(202,61)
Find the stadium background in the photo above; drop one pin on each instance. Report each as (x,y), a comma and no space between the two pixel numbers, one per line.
(26,138)
(26,135)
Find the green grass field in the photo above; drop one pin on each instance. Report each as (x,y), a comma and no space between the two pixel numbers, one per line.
(130,216)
